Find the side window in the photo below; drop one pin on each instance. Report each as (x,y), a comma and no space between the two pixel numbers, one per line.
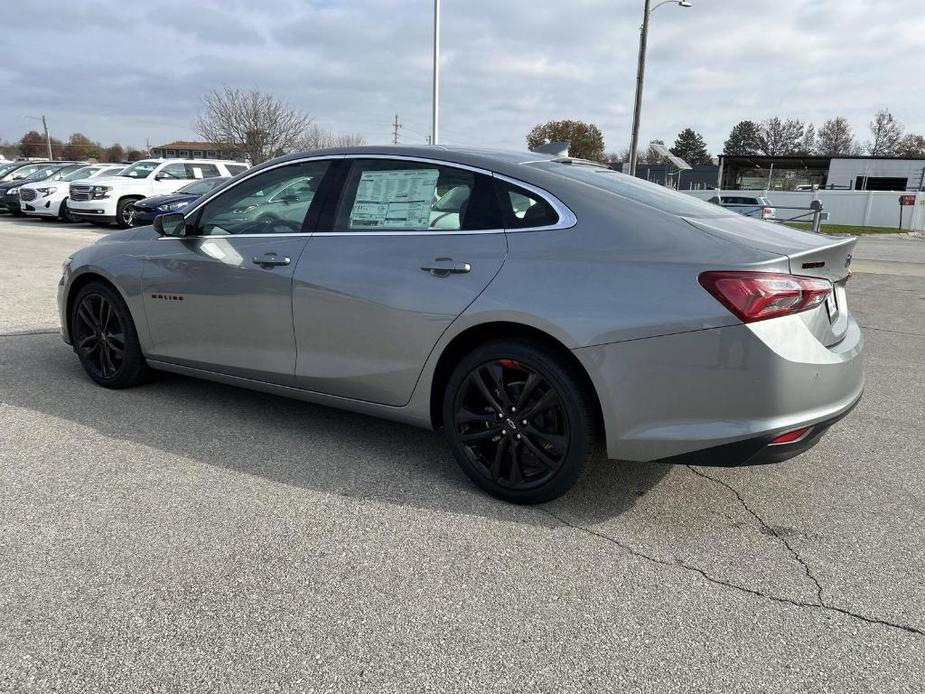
(201,170)
(383,194)
(173,171)
(272,202)
(522,209)
(235,169)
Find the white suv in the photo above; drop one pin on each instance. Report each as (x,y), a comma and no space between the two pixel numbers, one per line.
(109,199)
(49,198)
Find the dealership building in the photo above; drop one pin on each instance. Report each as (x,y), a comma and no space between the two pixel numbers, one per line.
(755,172)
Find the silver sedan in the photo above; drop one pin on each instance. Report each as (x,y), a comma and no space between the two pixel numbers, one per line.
(536,309)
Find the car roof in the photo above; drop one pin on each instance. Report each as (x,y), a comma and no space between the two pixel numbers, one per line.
(477,157)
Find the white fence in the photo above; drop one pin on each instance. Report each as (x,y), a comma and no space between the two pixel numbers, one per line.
(866,208)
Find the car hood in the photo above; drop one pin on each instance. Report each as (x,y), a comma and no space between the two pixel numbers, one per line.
(121,181)
(156,200)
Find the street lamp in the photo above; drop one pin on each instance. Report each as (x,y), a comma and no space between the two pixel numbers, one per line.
(641,71)
(47,138)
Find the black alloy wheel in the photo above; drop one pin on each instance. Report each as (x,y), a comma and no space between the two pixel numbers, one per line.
(99,336)
(104,337)
(520,421)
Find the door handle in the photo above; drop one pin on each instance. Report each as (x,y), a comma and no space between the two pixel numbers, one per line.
(442,267)
(271,259)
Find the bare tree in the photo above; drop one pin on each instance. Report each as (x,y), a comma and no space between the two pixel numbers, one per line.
(778,138)
(912,146)
(257,124)
(316,137)
(887,132)
(836,138)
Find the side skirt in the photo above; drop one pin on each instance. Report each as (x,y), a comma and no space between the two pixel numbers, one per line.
(395,414)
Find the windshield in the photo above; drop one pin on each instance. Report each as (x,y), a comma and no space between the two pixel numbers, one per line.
(651,194)
(82,172)
(42,173)
(202,186)
(25,171)
(6,168)
(140,169)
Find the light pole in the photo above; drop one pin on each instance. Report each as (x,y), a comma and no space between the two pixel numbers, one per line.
(641,73)
(47,138)
(436,90)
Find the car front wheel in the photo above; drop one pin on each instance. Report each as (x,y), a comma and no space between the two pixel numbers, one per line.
(124,214)
(520,421)
(105,339)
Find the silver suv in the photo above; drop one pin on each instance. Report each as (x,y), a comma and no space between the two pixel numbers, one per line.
(756,206)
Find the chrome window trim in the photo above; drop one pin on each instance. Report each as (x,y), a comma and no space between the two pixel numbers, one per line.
(567,218)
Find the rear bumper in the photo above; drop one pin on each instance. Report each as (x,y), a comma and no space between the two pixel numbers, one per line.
(759,450)
(674,395)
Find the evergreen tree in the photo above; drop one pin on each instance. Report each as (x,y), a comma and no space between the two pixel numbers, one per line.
(743,139)
(691,147)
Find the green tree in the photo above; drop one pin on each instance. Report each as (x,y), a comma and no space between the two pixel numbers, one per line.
(743,139)
(585,139)
(79,147)
(690,146)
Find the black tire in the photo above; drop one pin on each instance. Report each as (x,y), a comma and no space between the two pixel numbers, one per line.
(64,213)
(105,339)
(522,463)
(123,213)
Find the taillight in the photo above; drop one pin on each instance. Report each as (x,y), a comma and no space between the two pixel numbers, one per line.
(754,296)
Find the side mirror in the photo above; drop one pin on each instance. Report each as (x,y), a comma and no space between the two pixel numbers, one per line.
(171,224)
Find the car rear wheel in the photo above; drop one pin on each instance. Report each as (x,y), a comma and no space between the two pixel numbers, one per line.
(520,421)
(105,339)
(124,213)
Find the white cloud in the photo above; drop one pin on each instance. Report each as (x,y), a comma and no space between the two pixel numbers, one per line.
(128,72)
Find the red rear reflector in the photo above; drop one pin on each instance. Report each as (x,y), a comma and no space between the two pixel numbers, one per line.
(790,436)
(754,296)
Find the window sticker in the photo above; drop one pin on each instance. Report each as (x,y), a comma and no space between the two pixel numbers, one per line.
(400,199)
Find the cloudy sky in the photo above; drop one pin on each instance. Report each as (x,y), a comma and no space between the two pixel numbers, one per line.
(135,71)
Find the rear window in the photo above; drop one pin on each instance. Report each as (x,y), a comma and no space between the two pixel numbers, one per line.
(626,186)
(235,169)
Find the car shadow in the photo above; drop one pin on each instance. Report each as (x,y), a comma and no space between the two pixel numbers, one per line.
(290,442)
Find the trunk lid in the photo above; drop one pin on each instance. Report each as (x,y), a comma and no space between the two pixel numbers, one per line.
(813,255)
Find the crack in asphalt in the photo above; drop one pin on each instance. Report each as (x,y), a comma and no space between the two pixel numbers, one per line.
(888,330)
(771,531)
(678,563)
(40,331)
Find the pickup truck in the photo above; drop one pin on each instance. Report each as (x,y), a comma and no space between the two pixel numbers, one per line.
(109,199)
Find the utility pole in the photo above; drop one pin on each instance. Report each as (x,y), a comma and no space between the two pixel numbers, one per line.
(396,126)
(47,138)
(436,94)
(640,78)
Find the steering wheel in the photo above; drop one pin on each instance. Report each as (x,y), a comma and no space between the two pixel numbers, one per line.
(271,219)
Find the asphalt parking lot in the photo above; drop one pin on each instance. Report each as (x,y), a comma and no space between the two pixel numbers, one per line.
(188,536)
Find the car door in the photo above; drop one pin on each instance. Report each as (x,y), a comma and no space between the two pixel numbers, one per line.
(220,297)
(403,250)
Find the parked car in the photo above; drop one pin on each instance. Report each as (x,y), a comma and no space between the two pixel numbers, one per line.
(144,211)
(49,198)
(17,171)
(49,171)
(607,310)
(749,205)
(110,199)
